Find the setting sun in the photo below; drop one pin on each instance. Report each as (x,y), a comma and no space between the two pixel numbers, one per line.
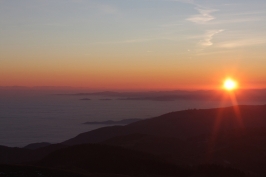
(230,84)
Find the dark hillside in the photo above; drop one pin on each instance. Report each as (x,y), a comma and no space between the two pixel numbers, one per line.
(182,124)
(10,155)
(234,138)
(94,158)
(32,171)
(244,150)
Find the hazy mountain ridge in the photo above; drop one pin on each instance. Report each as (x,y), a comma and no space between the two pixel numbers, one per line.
(189,137)
(181,124)
(34,146)
(212,95)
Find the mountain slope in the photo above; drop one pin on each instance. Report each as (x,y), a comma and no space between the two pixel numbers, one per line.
(244,150)
(182,124)
(95,158)
(231,136)
(10,155)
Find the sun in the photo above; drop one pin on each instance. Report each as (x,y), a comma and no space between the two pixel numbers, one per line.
(230,84)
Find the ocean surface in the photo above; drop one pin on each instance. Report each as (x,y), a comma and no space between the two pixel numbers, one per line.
(26,119)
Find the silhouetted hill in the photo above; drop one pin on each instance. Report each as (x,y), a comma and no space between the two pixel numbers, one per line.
(233,136)
(107,161)
(13,155)
(37,145)
(165,147)
(94,158)
(10,155)
(30,171)
(33,171)
(236,148)
(182,124)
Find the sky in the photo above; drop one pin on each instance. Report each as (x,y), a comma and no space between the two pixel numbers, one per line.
(133,44)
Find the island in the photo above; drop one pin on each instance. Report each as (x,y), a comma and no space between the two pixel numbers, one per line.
(111,122)
(85,99)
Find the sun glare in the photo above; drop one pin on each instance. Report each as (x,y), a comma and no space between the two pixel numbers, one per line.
(230,84)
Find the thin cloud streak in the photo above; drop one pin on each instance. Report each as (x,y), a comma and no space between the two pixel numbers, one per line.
(203,17)
(208,37)
(241,43)
(240,20)
(245,13)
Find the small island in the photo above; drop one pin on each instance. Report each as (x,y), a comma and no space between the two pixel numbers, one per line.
(106,99)
(85,99)
(111,122)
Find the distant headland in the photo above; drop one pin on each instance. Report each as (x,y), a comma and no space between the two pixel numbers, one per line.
(111,122)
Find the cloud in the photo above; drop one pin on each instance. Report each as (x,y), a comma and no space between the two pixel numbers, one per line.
(242,43)
(204,16)
(245,13)
(207,41)
(239,20)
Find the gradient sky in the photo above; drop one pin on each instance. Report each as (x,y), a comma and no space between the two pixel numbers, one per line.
(132,44)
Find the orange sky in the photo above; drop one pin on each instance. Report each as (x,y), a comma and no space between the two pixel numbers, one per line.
(131,45)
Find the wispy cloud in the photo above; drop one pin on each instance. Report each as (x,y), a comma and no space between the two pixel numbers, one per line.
(245,13)
(204,16)
(237,20)
(208,37)
(241,43)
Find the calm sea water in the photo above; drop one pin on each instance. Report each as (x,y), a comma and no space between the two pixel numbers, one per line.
(52,118)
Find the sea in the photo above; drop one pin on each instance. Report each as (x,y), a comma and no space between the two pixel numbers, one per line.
(34,118)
